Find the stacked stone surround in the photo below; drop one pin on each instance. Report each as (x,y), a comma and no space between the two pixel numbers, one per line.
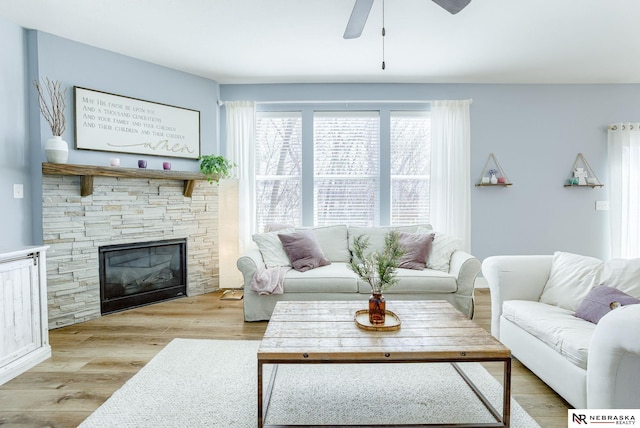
(121,211)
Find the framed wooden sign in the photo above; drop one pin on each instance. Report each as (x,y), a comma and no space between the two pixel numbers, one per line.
(115,123)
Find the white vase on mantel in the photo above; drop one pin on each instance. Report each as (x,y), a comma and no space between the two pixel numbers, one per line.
(56,150)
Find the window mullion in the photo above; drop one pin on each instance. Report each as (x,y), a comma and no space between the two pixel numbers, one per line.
(307,167)
(385,168)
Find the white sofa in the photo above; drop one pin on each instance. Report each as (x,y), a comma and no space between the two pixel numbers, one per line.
(337,282)
(589,365)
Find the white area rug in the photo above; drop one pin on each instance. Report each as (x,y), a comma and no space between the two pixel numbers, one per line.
(212,383)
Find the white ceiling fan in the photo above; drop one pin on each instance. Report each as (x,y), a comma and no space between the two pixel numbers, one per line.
(362,8)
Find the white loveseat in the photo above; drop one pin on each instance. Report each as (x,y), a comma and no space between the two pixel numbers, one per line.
(590,365)
(454,281)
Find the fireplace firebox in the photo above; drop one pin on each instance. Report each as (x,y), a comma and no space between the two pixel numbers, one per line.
(142,273)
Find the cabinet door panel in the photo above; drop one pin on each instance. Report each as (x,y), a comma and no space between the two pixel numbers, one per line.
(18,332)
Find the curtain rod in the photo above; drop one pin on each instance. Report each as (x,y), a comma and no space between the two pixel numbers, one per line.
(221,103)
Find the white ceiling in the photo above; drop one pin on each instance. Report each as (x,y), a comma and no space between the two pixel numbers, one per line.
(296,41)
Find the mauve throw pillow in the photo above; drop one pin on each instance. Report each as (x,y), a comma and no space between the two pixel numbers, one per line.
(303,250)
(600,301)
(416,248)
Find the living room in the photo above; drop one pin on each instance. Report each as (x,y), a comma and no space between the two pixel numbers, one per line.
(535,128)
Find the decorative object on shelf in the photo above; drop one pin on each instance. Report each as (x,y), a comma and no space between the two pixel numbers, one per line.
(378,270)
(51,101)
(494,176)
(215,167)
(114,161)
(582,175)
(166,166)
(142,163)
(493,179)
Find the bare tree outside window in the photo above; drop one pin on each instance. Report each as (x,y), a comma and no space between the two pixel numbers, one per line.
(346,168)
(410,167)
(278,168)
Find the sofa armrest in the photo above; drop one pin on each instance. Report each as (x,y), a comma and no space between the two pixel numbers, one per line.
(465,267)
(514,278)
(248,264)
(613,367)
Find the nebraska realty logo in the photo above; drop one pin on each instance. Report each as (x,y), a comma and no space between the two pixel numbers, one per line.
(599,417)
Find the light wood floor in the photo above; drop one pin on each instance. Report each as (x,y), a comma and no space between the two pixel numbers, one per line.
(91,360)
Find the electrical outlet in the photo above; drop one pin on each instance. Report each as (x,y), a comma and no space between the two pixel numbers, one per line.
(602,205)
(18,191)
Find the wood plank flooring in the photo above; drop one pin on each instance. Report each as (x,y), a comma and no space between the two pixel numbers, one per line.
(93,359)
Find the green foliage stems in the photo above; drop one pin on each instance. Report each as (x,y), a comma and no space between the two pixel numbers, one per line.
(378,270)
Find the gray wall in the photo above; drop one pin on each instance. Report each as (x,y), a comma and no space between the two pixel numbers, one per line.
(35,54)
(15,215)
(536,132)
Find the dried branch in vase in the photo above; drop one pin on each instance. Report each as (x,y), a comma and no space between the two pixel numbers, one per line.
(51,101)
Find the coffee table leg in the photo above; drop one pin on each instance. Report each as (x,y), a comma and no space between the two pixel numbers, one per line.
(260,420)
(506,393)
(265,396)
(506,399)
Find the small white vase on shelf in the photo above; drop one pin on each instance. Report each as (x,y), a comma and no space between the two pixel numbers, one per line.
(56,150)
(493,179)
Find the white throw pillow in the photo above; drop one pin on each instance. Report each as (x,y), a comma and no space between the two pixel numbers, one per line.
(333,241)
(271,248)
(571,278)
(623,274)
(443,247)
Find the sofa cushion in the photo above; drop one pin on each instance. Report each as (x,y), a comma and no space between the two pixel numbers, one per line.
(334,242)
(600,301)
(441,250)
(553,325)
(571,278)
(303,250)
(271,248)
(377,234)
(417,282)
(623,274)
(334,278)
(416,248)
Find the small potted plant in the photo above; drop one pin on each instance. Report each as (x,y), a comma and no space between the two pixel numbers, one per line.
(378,270)
(215,167)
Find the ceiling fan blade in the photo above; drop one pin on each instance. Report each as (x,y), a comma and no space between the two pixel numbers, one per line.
(452,6)
(358,18)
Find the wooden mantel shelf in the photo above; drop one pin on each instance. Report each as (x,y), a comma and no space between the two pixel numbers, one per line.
(87,172)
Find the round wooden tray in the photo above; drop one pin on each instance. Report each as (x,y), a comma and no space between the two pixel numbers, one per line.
(391,321)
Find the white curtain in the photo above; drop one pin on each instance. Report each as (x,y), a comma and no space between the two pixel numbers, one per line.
(623,145)
(450,194)
(241,143)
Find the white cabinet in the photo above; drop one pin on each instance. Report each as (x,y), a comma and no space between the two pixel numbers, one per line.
(24,337)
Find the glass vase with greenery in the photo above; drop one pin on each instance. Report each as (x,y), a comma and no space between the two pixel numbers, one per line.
(378,269)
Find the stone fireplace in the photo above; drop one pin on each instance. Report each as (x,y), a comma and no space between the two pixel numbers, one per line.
(122,209)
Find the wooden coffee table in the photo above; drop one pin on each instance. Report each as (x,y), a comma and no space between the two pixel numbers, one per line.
(431,331)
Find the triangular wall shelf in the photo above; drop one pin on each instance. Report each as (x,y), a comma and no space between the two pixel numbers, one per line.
(581,174)
(492,165)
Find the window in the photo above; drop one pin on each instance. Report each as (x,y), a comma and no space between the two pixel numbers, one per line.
(363,168)
(278,168)
(346,168)
(410,167)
